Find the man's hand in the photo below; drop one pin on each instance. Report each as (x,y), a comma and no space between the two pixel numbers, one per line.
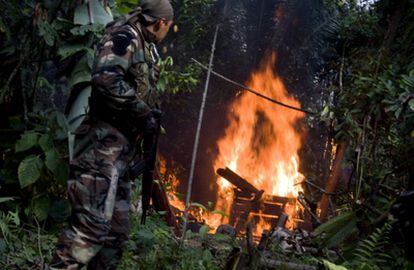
(153,121)
(157,114)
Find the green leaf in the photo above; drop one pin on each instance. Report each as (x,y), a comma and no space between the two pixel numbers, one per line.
(61,121)
(335,223)
(52,160)
(29,170)
(46,142)
(27,141)
(337,229)
(98,12)
(331,266)
(57,166)
(81,72)
(411,104)
(343,233)
(125,6)
(14,216)
(100,15)
(81,15)
(57,121)
(6,199)
(204,230)
(41,207)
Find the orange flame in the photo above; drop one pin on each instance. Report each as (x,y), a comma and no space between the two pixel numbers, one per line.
(172,183)
(261,143)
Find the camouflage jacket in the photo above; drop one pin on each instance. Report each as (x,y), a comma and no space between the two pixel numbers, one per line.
(123,87)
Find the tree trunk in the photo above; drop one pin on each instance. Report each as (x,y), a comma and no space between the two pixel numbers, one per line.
(333,180)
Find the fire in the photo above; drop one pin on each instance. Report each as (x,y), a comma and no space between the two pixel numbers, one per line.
(172,183)
(261,142)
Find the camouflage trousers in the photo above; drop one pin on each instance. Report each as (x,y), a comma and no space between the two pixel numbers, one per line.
(100,195)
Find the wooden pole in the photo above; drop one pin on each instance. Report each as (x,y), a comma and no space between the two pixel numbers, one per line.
(197,137)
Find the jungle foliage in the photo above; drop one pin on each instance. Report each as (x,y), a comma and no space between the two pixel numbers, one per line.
(371,112)
(47,49)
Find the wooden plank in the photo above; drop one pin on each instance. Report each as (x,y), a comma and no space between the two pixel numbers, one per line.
(237,180)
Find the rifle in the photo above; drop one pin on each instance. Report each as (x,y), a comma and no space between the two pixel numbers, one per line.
(146,166)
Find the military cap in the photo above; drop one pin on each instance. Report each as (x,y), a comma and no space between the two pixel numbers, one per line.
(153,10)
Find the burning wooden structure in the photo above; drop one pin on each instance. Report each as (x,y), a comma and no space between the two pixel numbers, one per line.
(250,203)
(261,143)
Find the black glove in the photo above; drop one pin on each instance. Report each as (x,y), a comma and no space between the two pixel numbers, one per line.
(153,121)
(157,114)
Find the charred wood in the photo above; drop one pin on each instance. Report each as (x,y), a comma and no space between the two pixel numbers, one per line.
(240,183)
(161,203)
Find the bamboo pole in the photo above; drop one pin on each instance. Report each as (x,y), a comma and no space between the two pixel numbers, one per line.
(197,137)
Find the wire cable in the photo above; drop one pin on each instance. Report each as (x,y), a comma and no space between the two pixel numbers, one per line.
(246,88)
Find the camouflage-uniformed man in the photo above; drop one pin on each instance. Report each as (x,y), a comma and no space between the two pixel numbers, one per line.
(121,105)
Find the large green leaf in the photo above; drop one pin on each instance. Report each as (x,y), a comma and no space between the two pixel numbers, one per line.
(52,160)
(81,72)
(27,141)
(335,224)
(337,229)
(46,142)
(81,15)
(29,170)
(57,121)
(57,166)
(98,12)
(40,207)
(343,233)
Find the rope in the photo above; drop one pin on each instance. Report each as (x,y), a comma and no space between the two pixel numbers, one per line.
(244,87)
(197,138)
